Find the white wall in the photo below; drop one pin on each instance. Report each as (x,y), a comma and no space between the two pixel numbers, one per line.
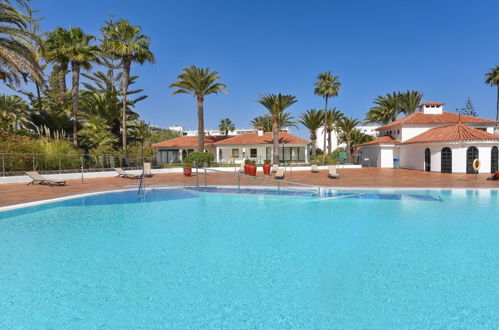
(412,157)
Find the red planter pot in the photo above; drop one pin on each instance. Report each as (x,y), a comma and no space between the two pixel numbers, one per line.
(252,169)
(246,169)
(187,171)
(266,169)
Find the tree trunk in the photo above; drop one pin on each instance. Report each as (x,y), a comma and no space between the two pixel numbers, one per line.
(200,99)
(314,147)
(275,140)
(324,131)
(329,133)
(349,151)
(127,62)
(75,68)
(39,97)
(497,106)
(63,68)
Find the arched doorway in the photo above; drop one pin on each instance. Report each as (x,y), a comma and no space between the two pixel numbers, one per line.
(494,160)
(427,160)
(471,155)
(446,160)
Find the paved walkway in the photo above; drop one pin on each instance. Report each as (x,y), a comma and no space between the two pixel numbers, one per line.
(366,177)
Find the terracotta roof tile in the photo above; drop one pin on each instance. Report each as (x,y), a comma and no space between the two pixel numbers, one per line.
(382,140)
(453,133)
(190,141)
(266,138)
(444,118)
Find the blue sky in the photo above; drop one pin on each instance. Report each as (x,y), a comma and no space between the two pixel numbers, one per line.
(441,48)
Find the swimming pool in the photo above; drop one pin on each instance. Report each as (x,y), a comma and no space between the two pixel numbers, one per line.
(192,259)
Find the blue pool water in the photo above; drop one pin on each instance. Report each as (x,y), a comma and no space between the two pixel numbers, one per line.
(188,259)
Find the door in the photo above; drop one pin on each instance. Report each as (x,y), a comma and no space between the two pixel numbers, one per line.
(494,160)
(427,160)
(471,155)
(446,161)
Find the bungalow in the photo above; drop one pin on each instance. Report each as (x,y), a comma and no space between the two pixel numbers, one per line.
(235,149)
(434,140)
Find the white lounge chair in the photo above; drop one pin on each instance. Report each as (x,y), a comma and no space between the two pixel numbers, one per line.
(274,168)
(123,174)
(147,169)
(315,169)
(332,172)
(279,173)
(38,178)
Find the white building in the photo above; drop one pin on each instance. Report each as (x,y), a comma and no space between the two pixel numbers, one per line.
(370,130)
(235,149)
(433,140)
(215,132)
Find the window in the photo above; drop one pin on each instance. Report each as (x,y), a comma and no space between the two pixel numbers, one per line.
(253,152)
(235,153)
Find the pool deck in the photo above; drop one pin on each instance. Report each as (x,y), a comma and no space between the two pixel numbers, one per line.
(17,193)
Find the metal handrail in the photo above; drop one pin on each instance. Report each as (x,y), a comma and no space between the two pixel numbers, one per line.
(246,178)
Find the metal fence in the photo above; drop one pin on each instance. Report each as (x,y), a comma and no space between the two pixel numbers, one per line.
(17,163)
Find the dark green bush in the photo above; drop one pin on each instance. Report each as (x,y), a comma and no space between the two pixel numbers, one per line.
(199,159)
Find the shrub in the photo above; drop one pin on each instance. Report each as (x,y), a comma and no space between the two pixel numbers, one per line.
(199,159)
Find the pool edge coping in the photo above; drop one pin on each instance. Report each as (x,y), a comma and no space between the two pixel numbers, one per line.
(69,197)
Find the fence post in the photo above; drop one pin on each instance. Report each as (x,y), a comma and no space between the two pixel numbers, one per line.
(3,165)
(183,177)
(34,165)
(197,177)
(205,182)
(238,182)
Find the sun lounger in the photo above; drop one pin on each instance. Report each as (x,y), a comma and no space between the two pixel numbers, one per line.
(147,169)
(279,173)
(332,172)
(123,174)
(315,169)
(37,178)
(274,168)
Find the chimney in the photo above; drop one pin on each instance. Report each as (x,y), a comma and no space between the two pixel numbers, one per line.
(260,131)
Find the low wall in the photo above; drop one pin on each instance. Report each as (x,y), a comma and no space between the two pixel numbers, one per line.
(109,174)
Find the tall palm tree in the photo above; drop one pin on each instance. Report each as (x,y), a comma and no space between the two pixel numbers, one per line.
(312,120)
(331,118)
(327,86)
(226,125)
(54,46)
(276,104)
(409,101)
(346,127)
(357,138)
(18,45)
(81,54)
(492,78)
(125,41)
(199,82)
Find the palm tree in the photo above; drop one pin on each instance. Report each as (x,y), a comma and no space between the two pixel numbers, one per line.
(276,104)
(226,125)
(81,54)
(13,112)
(331,119)
(346,127)
(386,109)
(327,86)
(492,78)
(409,101)
(358,138)
(265,122)
(125,41)
(18,53)
(198,82)
(312,120)
(96,133)
(54,46)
